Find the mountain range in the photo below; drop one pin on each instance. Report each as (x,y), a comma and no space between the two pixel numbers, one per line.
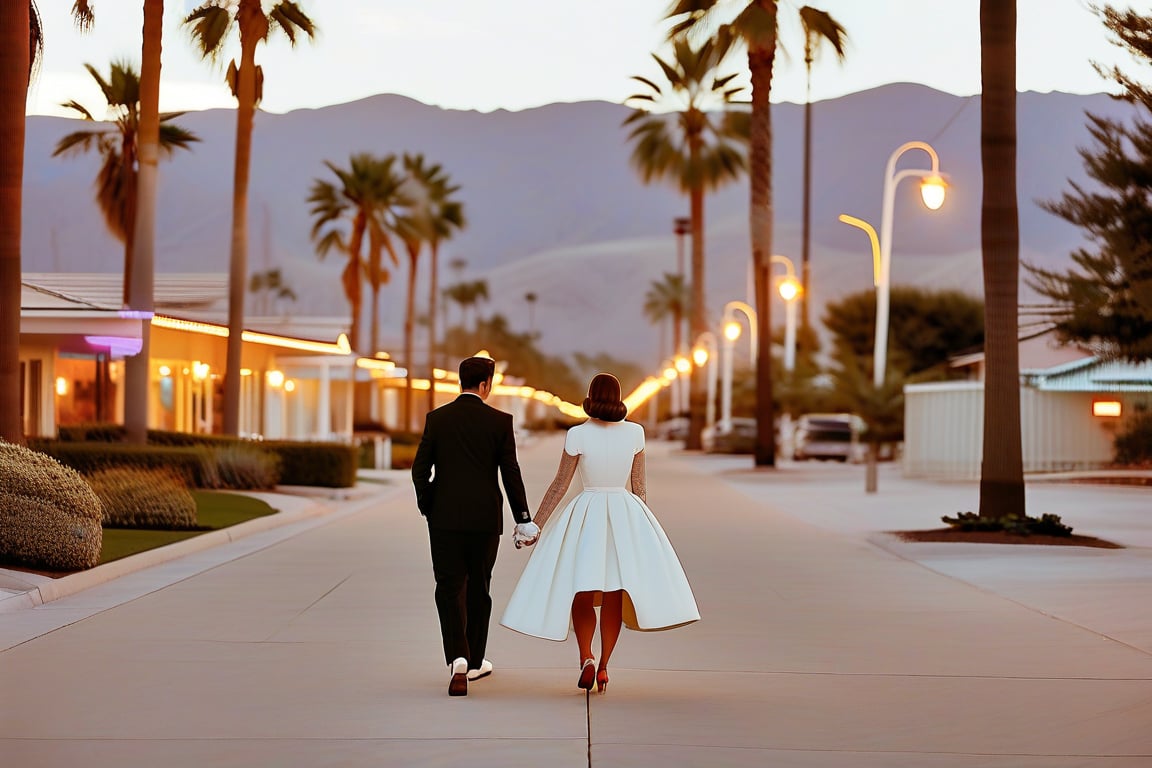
(555,209)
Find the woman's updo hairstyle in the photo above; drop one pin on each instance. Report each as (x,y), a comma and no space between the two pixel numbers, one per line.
(603,401)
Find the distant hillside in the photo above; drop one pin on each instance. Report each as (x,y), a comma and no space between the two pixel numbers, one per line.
(554,207)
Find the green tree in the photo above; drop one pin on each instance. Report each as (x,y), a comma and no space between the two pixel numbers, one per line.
(118,146)
(752,23)
(926,327)
(1002,467)
(211,24)
(698,149)
(666,300)
(21,42)
(1104,302)
(344,214)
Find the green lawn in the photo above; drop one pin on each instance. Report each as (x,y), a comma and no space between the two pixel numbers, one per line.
(214,510)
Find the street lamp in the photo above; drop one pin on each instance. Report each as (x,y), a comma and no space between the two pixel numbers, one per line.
(790,289)
(732,331)
(933,188)
(705,352)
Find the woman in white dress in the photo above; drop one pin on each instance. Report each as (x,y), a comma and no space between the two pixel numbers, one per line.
(605,548)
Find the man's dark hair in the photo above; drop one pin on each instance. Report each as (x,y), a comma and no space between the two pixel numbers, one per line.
(475,370)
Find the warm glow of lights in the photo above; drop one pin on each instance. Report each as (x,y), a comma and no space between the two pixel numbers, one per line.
(373,364)
(245,371)
(61,386)
(289,386)
(275,379)
(439,373)
(669,373)
(789,289)
(340,347)
(683,364)
(1106,408)
(932,191)
(873,238)
(200,370)
(165,370)
(527,392)
(649,387)
(732,330)
(700,356)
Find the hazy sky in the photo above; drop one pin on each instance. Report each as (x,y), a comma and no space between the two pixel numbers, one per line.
(515,54)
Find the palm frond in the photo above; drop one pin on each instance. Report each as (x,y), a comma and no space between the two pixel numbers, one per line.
(289,17)
(79,108)
(332,239)
(78,141)
(174,137)
(819,25)
(82,14)
(210,25)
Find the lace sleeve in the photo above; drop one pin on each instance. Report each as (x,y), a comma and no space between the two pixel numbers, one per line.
(638,486)
(559,487)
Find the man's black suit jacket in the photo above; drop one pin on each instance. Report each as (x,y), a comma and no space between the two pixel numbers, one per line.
(467,442)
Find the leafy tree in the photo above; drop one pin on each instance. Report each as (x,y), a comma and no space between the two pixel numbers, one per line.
(698,149)
(752,24)
(211,24)
(926,328)
(665,300)
(117,145)
(1104,302)
(270,282)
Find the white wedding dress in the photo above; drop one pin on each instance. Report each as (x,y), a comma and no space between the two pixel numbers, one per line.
(605,539)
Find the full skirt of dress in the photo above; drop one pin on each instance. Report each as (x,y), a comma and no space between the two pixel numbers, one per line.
(604,539)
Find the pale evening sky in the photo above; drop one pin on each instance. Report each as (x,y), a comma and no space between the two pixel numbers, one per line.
(517,54)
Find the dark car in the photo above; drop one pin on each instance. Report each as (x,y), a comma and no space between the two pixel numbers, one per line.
(738,437)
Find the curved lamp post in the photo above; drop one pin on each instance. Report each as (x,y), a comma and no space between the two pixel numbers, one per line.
(704,353)
(732,330)
(789,289)
(933,188)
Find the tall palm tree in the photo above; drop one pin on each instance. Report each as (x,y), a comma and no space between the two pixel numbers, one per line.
(211,24)
(117,143)
(345,213)
(447,219)
(140,289)
(20,46)
(698,150)
(667,299)
(819,28)
(1001,470)
(752,23)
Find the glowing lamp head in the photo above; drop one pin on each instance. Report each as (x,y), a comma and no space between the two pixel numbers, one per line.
(789,289)
(932,191)
(683,364)
(669,373)
(732,330)
(275,379)
(700,356)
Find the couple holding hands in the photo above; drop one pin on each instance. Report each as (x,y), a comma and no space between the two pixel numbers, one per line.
(604,548)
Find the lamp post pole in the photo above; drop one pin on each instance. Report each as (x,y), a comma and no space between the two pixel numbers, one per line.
(732,332)
(790,290)
(705,353)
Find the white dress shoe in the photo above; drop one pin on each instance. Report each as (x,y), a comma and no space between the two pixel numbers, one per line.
(484,671)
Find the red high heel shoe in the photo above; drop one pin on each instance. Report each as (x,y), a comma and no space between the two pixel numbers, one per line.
(587,674)
(602,681)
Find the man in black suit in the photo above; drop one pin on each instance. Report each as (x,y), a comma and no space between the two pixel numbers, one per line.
(467,442)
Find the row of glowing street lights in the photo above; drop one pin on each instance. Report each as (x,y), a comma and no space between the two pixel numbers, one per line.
(933,189)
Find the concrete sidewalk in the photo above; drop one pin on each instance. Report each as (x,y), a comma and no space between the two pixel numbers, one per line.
(823,643)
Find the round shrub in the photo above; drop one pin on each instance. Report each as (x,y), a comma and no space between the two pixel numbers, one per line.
(49,517)
(144,498)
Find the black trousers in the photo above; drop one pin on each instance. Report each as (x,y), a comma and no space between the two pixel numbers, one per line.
(462,563)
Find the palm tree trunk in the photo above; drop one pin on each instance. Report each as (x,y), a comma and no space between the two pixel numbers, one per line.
(14,69)
(760,62)
(1001,471)
(697,396)
(353,286)
(409,325)
(129,153)
(433,292)
(238,260)
(139,272)
(806,223)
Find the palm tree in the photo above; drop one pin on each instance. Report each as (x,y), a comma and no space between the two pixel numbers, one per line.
(696,149)
(270,283)
(20,46)
(667,299)
(754,24)
(1001,471)
(447,218)
(345,213)
(211,24)
(140,290)
(819,28)
(118,145)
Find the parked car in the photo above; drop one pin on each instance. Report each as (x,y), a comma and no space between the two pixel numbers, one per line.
(739,437)
(828,437)
(675,428)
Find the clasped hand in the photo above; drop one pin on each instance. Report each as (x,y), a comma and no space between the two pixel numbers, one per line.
(525,534)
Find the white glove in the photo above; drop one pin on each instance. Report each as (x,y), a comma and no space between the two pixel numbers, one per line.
(525,534)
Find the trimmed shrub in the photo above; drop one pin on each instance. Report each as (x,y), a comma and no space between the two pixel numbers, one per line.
(49,517)
(144,498)
(327,465)
(1133,446)
(1045,525)
(245,466)
(195,465)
